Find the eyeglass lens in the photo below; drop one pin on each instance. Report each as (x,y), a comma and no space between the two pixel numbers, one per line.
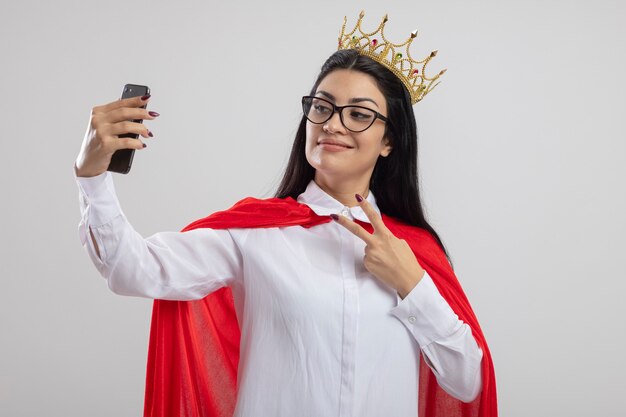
(354,118)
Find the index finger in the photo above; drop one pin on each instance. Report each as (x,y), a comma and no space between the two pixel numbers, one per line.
(353,227)
(373,216)
(122,102)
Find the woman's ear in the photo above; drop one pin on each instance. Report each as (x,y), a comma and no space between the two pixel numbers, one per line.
(386,148)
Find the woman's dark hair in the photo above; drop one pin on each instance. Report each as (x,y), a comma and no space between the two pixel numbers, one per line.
(394,180)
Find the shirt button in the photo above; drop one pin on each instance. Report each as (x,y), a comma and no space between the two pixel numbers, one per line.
(412,319)
(345,212)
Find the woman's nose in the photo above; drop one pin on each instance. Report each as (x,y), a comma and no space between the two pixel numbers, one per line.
(334,123)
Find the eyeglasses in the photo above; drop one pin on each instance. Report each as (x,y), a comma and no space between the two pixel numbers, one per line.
(318,110)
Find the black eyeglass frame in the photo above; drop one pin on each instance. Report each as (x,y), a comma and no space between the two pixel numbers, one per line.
(339,109)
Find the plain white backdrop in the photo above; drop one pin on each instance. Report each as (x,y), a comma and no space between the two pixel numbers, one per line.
(522,161)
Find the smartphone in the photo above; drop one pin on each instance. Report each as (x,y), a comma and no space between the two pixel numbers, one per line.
(122,159)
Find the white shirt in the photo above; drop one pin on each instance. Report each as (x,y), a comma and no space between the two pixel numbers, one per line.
(320,335)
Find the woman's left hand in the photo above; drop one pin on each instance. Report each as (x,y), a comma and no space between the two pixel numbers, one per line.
(388,258)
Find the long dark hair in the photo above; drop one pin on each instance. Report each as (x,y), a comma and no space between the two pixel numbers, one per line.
(394,180)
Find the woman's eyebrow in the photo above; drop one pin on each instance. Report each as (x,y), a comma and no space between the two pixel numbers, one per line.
(352,100)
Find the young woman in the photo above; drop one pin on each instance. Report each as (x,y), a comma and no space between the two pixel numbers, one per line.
(336,317)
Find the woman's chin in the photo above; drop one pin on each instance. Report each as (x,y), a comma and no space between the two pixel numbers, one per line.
(331,163)
(328,169)
(322,162)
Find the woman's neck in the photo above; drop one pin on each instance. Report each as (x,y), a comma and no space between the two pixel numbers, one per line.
(343,190)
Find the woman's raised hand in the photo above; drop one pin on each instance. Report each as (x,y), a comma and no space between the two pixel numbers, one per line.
(105,124)
(388,258)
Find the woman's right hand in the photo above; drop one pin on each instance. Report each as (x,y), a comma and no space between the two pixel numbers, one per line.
(101,139)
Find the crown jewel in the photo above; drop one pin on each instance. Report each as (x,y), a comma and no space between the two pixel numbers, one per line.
(411,72)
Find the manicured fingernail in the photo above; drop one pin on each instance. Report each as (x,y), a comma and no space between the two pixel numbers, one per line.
(334,217)
(153,113)
(150,134)
(358,198)
(146,97)
(144,145)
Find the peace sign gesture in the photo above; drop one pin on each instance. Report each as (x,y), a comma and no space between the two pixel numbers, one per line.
(388,258)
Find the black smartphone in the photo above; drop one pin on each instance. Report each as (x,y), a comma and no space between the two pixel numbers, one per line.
(122,159)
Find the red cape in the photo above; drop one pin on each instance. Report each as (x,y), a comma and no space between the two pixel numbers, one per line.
(194,345)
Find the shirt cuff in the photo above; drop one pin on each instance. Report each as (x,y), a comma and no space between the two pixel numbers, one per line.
(98,194)
(426,314)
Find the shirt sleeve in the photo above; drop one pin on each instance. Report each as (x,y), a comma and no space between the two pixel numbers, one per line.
(446,342)
(167,265)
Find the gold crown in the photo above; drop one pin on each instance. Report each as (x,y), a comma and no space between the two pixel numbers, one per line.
(407,69)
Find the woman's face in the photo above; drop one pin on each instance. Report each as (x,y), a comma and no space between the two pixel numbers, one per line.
(357,158)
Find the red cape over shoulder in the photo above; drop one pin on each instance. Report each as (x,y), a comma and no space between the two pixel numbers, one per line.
(194,345)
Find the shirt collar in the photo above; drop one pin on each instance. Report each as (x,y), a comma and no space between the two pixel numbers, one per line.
(324,204)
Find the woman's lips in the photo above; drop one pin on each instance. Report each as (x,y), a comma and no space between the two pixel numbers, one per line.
(333,148)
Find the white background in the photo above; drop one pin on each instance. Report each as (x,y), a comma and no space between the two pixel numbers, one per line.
(522,162)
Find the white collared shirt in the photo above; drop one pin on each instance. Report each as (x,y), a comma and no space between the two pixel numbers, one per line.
(320,335)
